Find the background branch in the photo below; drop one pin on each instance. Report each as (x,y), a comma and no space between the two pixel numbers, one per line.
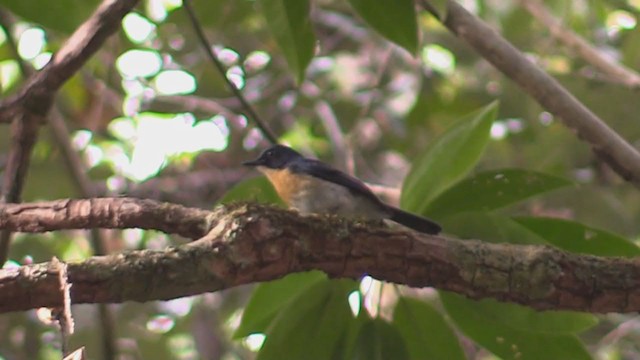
(606,143)
(248,109)
(614,71)
(242,244)
(28,109)
(37,94)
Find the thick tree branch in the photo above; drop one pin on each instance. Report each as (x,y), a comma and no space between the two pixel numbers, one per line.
(37,94)
(606,143)
(246,243)
(28,109)
(109,213)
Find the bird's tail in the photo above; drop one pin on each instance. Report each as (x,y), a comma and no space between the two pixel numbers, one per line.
(413,221)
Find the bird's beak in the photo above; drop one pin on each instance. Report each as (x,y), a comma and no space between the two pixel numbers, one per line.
(256,162)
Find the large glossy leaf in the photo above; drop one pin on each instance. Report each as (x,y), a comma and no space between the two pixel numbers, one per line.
(347,343)
(393,19)
(524,318)
(289,23)
(311,326)
(491,227)
(492,190)
(575,237)
(61,15)
(379,340)
(269,298)
(425,331)
(222,15)
(254,189)
(448,159)
(510,341)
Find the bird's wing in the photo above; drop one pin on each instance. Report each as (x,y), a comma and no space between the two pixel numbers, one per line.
(325,172)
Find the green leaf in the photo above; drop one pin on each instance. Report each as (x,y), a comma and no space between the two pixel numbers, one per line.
(491,227)
(347,343)
(578,238)
(289,23)
(448,159)
(492,190)
(269,298)
(526,319)
(61,15)
(311,326)
(393,19)
(379,340)
(257,189)
(510,340)
(236,14)
(425,331)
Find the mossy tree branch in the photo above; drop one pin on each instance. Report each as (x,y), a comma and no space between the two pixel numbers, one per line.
(247,243)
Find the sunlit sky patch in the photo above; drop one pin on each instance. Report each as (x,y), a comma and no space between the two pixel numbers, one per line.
(182,346)
(499,130)
(157,137)
(256,60)
(160,324)
(139,63)
(137,28)
(254,341)
(545,118)
(178,307)
(157,10)
(354,302)
(41,60)
(236,75)
(439,59)
(31,43)
(93,155)
(227,56)
(368,287)
(123,128)
(132,87)
(9,73)
(174,82)
(621,19)
(132,237)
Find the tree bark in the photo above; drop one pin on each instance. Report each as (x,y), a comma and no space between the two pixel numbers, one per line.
(246,243)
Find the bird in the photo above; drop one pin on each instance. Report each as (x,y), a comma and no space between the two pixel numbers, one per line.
(312,187)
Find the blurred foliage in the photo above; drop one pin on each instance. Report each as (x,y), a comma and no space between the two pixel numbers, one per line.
(407,102)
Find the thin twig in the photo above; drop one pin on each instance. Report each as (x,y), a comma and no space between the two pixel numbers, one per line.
(617,72)
(78,171)
(248,109)
(75,165)
(334,132)
(188,103)
(24,133)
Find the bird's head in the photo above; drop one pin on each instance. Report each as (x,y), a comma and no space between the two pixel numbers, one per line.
(275,157)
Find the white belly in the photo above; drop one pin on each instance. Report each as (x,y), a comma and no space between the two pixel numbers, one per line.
(328,198)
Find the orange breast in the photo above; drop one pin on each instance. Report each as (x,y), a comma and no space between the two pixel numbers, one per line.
(287,185)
